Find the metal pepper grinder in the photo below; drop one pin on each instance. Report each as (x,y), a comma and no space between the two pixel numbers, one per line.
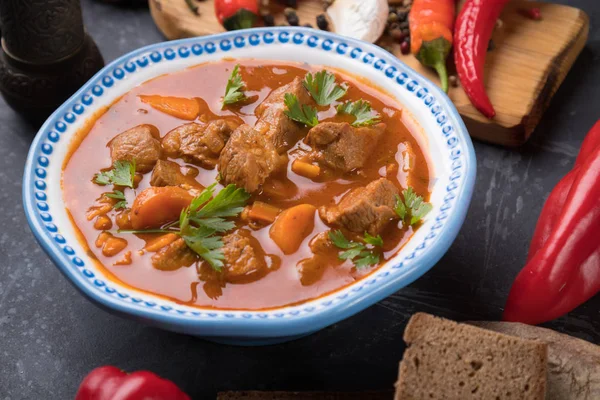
(46,55)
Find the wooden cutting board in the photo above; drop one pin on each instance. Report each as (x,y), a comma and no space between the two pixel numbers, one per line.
(529,62)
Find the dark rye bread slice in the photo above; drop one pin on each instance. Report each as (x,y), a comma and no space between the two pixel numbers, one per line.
(452,361)
(573,364)
(256,395)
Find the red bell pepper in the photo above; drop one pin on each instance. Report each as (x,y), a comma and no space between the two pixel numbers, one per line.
(564,271)
(474,26)
(555,202)
(110,383)
(237,14)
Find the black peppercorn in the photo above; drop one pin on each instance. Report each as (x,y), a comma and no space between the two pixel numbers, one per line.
(269,20)
(322,22)
(293,19)
(290,3)
(393,26)
(402,15)
(398,35)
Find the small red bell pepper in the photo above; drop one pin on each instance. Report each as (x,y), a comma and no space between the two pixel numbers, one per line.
(564,266)
(237,14)
(110,383)
(474,26)
(555,202)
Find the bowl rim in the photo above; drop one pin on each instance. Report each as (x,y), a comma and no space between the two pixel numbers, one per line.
(292,320)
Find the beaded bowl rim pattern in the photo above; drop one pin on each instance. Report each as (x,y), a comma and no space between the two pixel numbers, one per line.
(284,321)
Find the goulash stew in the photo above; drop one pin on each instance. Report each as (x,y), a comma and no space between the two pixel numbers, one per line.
(247,184)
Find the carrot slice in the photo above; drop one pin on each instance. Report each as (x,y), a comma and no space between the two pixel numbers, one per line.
(263,212)
(155,206)
(158,243)
(305,169)
(178,107)
(292,227)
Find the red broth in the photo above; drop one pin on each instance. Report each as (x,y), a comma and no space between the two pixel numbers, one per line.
(398,150)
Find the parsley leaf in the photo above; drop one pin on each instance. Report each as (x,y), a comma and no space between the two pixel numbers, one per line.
(229,202)
(361,110)
(366,259)
(121,174)
(357,252)
(338,238)
(203,242)
(234,91)
(322,87)
(304,114)
(400,208)
(118,195)
(413,206)
(373,240)
(201,223)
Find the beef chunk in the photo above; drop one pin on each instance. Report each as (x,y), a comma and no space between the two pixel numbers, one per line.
(272,121)
(140,143)
(241,257)
(168,173)
(199,143)
(341,146)
(277,96)
(249,158)
(254,154)
(367,208)
(173,256)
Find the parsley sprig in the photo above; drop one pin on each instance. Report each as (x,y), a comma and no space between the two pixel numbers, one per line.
(201,224)
(300,113)
(234,91)
(121,174)
(357,252)
(118,195)
(323,88)
(361,110)
(412,206)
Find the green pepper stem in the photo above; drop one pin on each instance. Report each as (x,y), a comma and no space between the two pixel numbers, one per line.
(441,70)
(433,53)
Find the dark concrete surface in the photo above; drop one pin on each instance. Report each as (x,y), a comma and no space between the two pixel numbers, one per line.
(51,337)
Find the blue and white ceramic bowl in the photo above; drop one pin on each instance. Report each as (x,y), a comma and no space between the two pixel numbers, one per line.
(444,134)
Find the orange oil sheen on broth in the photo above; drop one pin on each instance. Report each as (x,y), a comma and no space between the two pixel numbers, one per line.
(283,285)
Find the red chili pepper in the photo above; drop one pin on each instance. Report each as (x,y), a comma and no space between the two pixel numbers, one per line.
(474,27)
(236,14)
(110,383)
(431,24)
(556,200)
(565,271)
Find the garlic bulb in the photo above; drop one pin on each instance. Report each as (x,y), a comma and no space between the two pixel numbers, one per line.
(359,19)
